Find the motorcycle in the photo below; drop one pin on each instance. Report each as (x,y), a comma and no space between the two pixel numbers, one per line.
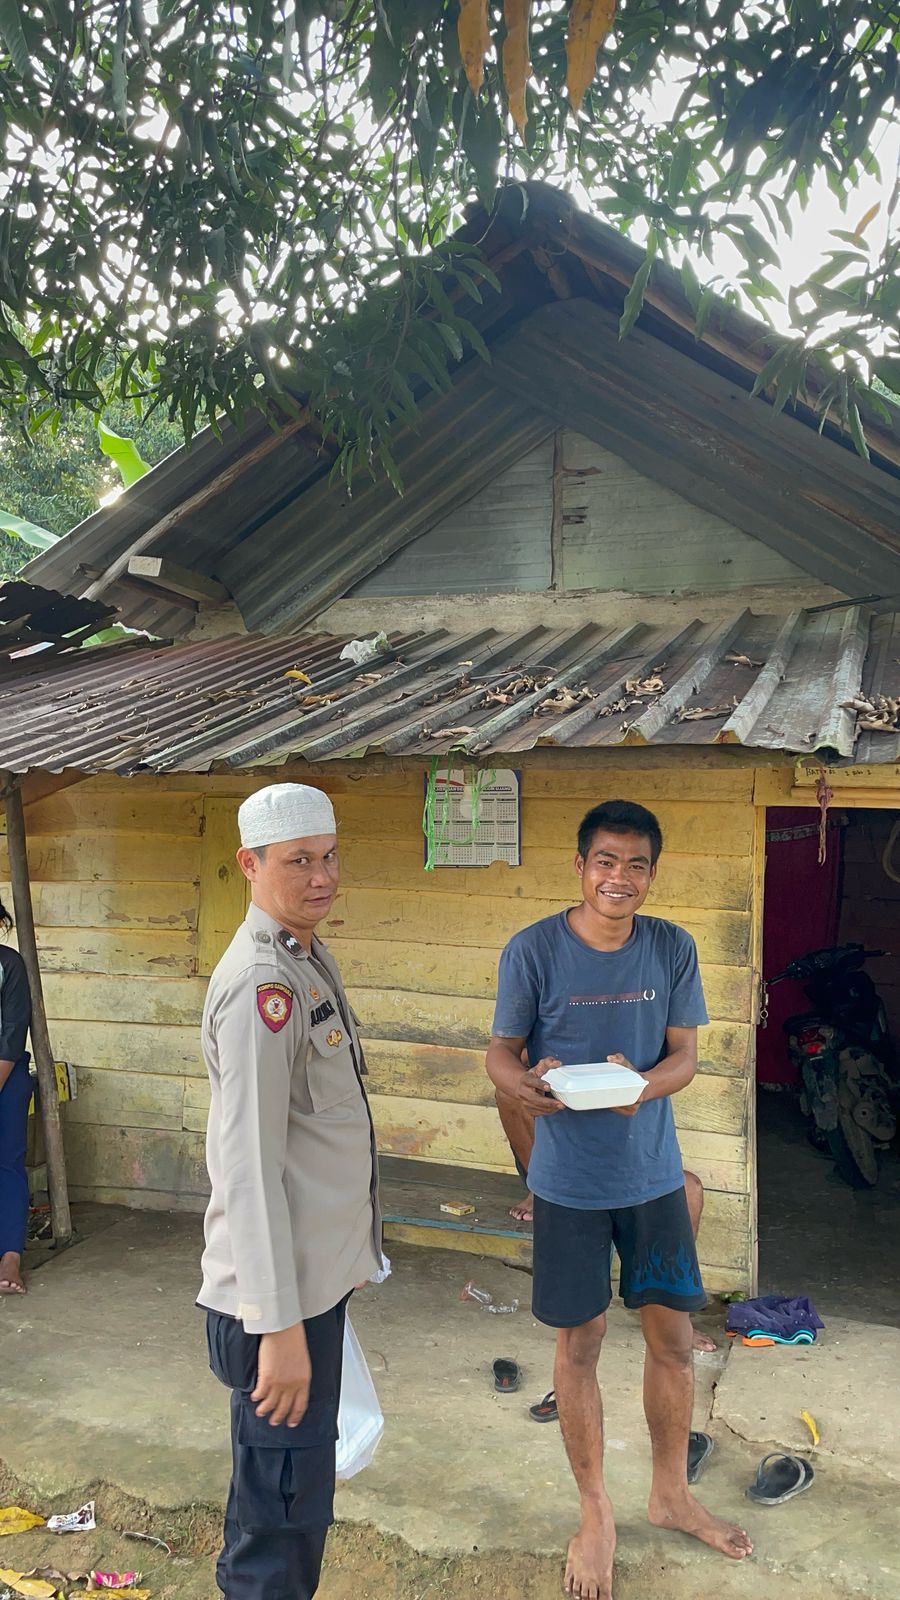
(846,1062)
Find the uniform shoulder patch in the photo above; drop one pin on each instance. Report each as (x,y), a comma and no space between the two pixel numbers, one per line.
(274,1002)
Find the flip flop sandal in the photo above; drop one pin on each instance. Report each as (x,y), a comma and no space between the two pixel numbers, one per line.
(779,1478)
(545,1410)
(507,1375)
(700,1448)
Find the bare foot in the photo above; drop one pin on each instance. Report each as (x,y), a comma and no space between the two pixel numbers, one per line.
(524,1211)
(589,1564)
(702,1341)
(687,1515)
(11,1274)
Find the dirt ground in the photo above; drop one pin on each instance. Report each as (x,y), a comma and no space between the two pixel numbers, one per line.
(466,1496)
(360,1563)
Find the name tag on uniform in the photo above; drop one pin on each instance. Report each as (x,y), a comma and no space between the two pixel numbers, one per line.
(321,1013)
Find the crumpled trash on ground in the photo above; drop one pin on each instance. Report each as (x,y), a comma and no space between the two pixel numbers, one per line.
(114,1580)
(470,1291)
(14,1519)
(81,1521)
(361,650)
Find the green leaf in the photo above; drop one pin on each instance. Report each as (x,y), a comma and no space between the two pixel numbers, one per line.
(682,161)
(124,453)
(772,369)
(13,35)
(635,296)
(451,339)
(690,284)
(708,304)
(482,139)
(857,432)
(29,532)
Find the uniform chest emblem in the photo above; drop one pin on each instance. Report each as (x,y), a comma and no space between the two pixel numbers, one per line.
(274,1002)
(334,1038)
(314,993)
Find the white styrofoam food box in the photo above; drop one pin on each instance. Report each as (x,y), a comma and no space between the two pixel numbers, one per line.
(595,1085)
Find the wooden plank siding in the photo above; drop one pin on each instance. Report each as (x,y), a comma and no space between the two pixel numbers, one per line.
(136,895)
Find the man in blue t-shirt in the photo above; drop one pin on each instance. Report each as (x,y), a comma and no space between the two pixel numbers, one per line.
(600,983)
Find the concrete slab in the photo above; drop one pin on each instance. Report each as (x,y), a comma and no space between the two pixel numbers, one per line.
(847,1381)
(104,1370)
(103,1365)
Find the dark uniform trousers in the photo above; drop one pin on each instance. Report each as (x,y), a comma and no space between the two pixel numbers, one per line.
(15,1098)
(281,1499)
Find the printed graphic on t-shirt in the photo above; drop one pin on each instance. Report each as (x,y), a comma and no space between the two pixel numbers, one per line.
(634,998)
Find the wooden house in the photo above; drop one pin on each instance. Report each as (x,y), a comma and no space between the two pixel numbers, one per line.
(614,572)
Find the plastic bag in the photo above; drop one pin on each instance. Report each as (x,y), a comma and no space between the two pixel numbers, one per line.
(359,651)
(360,1421)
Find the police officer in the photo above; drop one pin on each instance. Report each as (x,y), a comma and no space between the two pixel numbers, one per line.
(293,1223)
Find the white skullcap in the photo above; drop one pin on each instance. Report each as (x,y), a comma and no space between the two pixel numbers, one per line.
(284,811)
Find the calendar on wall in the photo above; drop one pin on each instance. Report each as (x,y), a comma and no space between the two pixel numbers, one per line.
(474,827)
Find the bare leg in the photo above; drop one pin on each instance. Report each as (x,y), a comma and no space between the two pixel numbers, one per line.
(589,1566)
(11,1273)
(519,1130)
(668,1398)
(693,1188)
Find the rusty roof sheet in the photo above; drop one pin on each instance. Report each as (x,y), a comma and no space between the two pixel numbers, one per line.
(823,683)
(36,619)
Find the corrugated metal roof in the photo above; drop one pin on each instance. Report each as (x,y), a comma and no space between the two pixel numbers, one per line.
(33,618)
(286,541)
(793,684)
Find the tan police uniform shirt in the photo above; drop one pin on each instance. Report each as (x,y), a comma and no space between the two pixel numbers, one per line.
(293,1222)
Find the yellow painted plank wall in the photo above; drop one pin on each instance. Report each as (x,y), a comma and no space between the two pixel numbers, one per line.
(136,894)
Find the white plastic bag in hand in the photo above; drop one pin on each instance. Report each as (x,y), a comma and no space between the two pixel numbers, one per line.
(360,1422)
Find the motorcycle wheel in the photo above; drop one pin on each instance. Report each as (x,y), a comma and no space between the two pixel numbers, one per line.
(854,1153)
(818,1140)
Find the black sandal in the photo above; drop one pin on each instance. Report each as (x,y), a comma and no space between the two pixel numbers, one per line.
(545,1410)
(507,1375)
(700,1448)
(779,1478)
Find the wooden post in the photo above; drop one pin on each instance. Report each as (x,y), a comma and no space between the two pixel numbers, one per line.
(40,1034)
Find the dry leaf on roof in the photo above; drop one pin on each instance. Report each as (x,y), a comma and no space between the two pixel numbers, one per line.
(324,699)
(512,689)
(735,659)
(700,713)
(878,714)
(566,699)
(447,733)
(368,677)
(652,685)
(301,677)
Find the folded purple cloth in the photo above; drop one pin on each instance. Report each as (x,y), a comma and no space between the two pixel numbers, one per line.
(774,1314)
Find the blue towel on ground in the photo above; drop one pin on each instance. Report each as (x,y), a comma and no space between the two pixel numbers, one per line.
(773,1316)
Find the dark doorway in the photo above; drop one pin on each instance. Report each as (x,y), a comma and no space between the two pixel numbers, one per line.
(817,1235)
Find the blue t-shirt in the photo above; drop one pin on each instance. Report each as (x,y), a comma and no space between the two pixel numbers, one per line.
(580,1004)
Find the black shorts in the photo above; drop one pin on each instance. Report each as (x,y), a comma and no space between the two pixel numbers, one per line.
(573,1259)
